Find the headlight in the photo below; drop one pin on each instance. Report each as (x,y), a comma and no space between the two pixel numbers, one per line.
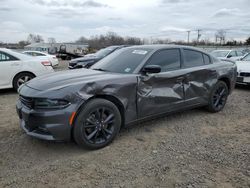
(50,103)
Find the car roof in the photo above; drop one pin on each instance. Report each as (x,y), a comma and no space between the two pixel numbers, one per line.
(165,46)
(35,52)
(15,54)
(222,50)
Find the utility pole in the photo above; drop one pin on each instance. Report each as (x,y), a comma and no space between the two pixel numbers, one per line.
(188,36)
(199,35)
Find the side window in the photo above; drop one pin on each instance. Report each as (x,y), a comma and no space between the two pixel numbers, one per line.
(206,59)
(168,59)
(38,54)
(6,57)
(233,54)
(192,58)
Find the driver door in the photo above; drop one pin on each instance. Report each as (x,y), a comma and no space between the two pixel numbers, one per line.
(161,92)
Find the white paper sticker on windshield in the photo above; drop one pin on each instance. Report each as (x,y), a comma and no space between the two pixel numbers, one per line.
(141,52)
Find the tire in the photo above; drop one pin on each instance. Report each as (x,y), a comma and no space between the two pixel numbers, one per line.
(21,78)
(218,97)
(97,124)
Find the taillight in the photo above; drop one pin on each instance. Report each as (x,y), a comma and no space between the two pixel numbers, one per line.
(46,63)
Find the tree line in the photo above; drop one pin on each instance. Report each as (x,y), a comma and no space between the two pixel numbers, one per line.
(100,41)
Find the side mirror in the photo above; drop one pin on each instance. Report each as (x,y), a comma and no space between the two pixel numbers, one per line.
(229,56)
(151,69)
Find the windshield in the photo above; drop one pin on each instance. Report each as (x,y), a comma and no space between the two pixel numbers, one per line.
(247,57)
(220,53)
(104,52)
(124,61)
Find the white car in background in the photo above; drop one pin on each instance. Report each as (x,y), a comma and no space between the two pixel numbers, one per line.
(52,58)
(243,70)
(17,68)
(228,54)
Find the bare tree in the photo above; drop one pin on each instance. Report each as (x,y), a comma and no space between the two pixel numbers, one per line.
(82,40)
(32,38)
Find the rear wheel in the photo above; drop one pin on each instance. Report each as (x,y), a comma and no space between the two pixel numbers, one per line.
(21,79)
(97,124)
(218,97)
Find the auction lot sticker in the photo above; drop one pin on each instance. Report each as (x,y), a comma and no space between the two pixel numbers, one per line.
(141,52)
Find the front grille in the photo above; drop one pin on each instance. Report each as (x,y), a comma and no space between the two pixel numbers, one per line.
(27,101)
(245,74)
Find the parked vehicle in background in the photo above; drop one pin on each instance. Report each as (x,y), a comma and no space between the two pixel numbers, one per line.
(65,51)
(52,58)
(131,84)
(243,70)
(17,68)
(228,54)
(89,60)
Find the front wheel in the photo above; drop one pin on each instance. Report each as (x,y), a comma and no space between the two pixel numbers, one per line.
(218,97)
(97,124)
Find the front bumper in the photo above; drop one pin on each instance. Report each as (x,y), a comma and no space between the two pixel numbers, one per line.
(46,125)
(243,80)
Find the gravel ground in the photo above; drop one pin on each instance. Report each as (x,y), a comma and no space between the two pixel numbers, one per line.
(188,149)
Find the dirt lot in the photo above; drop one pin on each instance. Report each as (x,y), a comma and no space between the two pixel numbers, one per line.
(188,149)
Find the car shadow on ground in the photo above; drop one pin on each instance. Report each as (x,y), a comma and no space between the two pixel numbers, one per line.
(242,87)
(7,91)
(142,128)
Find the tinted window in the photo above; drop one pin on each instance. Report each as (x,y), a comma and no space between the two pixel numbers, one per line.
(125,60)
(166,59)
(6,57)
(192,58)
(38,54)
(206,59)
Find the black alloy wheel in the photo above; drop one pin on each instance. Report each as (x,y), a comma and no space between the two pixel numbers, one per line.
(97,124)
(218,97)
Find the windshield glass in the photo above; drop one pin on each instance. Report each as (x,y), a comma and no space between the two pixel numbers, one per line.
(246,58)
(220,53)
(124,61)
(104,52)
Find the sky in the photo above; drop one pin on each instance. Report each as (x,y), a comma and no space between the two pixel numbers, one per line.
(67,20)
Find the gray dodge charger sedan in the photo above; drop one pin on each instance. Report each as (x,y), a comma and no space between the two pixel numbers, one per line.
(130,85)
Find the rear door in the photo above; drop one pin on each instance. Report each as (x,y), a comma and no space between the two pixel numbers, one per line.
(199,76)
(161,92)
(9,65)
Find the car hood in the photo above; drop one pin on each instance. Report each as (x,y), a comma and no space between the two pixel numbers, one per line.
(62,79)
(85,58)
(243,66)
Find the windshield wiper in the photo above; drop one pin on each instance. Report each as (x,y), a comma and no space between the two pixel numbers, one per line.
(100,70)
